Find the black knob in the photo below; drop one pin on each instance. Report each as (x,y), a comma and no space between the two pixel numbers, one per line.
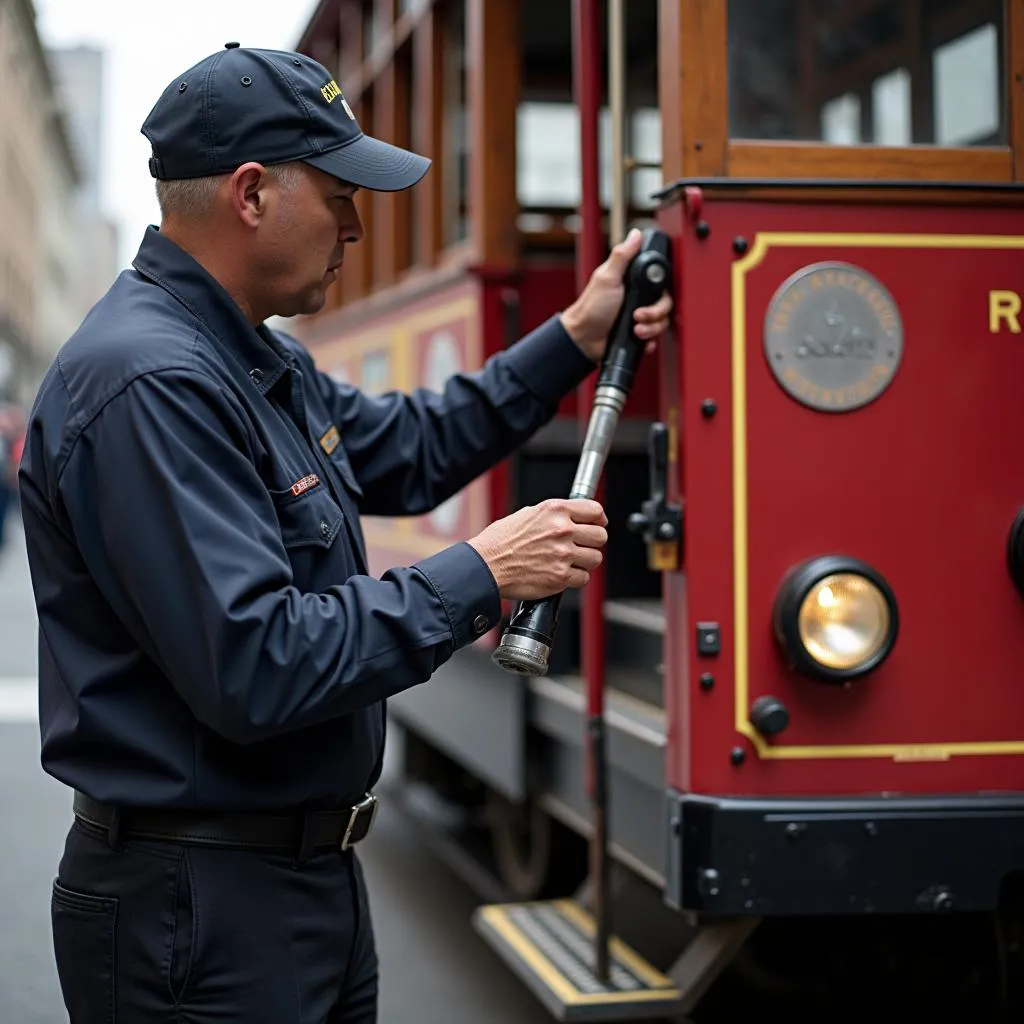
(638,522)
(937,898)
(768,715)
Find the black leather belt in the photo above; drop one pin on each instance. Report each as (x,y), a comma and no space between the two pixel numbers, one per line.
(285,832)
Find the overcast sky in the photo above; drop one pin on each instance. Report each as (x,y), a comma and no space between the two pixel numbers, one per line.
(148,45)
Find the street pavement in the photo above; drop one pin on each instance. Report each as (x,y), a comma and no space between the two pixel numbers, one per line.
(434,969)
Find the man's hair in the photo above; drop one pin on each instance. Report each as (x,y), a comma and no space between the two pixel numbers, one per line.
(188,198)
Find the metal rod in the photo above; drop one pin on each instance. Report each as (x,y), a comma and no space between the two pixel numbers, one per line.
(589,254)
(632,164)
(617,231)
(617,110)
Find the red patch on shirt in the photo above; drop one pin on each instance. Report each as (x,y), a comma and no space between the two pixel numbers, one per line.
(303,485)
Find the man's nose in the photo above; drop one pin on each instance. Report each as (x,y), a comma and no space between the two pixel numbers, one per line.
(350,227)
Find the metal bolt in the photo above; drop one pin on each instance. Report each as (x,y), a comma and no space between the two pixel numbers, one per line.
(708,408)
(740,244)
(737,755)
(709,881)
(665,531)
(703,229)
(707,680)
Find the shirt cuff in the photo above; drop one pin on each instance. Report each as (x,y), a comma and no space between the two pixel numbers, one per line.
(467,590)
(549,362)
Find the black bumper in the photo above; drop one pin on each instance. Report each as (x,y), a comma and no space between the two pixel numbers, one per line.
(729,857)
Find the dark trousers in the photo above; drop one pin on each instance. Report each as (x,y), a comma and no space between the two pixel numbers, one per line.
(153,933)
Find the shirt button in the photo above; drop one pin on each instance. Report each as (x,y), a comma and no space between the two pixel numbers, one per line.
(480,625)
(256,375)
(325,528)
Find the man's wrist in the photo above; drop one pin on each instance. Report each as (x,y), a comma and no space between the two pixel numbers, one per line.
(493,560)
(573,325)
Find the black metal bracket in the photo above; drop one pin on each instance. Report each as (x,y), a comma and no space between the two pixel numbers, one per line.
(659,522)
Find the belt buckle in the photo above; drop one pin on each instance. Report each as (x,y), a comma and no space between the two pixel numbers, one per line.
(351,837)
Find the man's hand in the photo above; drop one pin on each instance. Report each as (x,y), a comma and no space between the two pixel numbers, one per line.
(544,549)
(589,319)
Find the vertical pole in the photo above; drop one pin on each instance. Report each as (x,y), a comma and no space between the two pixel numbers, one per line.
(590,251)
(617,110)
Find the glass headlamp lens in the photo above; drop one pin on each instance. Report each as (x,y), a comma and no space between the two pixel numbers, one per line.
(843,621)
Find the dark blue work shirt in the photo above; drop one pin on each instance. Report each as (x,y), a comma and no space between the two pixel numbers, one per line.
(209,633)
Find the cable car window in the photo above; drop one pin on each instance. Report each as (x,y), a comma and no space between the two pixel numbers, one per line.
(456,128)
(645,147)
(888,72)
(548,186)
(548,153)
(890,108)
(967,88)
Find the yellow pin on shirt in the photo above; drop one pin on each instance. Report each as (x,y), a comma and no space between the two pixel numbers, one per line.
(330,440)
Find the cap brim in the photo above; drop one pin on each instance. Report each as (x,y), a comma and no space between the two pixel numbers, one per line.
(372,164)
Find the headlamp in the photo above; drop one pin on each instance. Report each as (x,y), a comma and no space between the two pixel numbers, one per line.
(835,618)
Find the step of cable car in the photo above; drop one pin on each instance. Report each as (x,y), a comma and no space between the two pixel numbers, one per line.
(550,946)
(635,634)
(643,613)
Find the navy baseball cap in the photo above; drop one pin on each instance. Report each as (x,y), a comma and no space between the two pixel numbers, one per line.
(274,107)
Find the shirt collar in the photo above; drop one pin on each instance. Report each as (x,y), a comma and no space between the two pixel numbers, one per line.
(168,265)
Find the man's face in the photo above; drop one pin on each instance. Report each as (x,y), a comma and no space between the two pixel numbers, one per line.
(302,239)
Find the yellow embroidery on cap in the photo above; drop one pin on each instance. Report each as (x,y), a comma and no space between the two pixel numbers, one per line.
(332,91)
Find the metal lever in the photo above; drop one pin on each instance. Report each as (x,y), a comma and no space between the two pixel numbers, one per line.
(659,523)
(526,644)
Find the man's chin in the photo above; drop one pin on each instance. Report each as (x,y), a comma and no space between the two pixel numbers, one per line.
(307,304)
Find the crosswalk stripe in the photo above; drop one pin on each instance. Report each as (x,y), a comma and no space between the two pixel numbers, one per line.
(18,700)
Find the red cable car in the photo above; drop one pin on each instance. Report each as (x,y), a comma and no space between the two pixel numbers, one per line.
(773,755)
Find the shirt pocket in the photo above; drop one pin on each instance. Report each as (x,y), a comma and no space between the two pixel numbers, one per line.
(310,519)
(340,462)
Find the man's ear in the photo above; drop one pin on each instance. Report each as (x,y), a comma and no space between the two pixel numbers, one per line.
(248,188)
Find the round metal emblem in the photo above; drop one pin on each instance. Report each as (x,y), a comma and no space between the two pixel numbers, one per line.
(833,336)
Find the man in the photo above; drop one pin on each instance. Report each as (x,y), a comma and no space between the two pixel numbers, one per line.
(214,657)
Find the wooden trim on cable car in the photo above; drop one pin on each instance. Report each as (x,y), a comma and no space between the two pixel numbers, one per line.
(428,135)
(395,36)
(1015,85)
(357,273)
(902,163)
(693,96)
(693,86)
(833,190)
(492,95)
(391,210)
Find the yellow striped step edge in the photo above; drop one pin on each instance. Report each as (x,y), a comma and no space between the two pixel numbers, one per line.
(550,946)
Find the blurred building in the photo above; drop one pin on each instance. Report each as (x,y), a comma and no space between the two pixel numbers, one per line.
(53,257)
(79,73)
